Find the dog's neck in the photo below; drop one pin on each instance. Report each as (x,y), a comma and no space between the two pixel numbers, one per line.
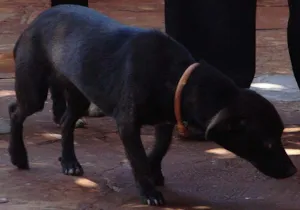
(206,92)
(181,127)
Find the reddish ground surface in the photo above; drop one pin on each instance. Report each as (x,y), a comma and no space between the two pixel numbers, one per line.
(198,175)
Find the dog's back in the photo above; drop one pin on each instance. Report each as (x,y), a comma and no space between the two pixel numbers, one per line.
(101,57)
(66,34)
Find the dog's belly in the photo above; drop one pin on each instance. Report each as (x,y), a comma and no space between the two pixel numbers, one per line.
(100,98)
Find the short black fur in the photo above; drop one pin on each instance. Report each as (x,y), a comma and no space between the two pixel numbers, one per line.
(131,74)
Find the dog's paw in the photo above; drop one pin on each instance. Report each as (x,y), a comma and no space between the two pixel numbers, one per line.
(153,198)
(71,168)
(81,123)
(95,111)
(18,157)
(158,178)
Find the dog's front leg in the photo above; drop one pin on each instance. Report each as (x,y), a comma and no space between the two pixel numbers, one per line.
(130,135)
(163,139)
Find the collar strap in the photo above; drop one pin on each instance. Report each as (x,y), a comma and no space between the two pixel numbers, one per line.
(181,127)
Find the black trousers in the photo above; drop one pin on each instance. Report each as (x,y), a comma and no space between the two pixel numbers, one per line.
(223,33)
(78,2)
(293,33)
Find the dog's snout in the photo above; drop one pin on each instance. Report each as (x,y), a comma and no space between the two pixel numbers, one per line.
(278,168)
(291,171)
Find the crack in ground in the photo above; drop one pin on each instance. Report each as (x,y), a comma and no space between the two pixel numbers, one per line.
(108,182)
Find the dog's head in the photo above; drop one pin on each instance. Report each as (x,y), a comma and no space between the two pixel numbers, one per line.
(251,128)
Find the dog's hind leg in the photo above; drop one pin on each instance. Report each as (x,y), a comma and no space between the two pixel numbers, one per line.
(77,106)
(59,105)
(16,147)
(31,94)
(58,100)
(163,139)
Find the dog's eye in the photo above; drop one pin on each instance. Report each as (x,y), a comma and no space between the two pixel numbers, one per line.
(237,125)
(243,123)
(268,145)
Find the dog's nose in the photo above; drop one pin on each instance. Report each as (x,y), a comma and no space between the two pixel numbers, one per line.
(286,173)
(292,170)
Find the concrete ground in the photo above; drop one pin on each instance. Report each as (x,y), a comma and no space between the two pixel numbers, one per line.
(199,175)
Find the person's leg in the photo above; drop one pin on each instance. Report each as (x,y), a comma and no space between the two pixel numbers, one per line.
(293,33)
(78,2)
(221,32)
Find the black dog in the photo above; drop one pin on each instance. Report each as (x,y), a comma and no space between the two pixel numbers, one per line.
(59,105)
(132,74)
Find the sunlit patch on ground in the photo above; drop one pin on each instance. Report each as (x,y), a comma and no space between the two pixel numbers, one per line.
(292,130)
(4,93)
(221,153)
(224,154)
(269,86)
(277,87)
(133,206)
(202,207)
(292,151)
(83,182)
(40,164)
(52,136)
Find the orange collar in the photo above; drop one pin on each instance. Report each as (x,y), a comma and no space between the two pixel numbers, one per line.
(182,129)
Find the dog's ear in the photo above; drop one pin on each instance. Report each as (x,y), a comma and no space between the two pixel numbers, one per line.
(224,123)
(218,124)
